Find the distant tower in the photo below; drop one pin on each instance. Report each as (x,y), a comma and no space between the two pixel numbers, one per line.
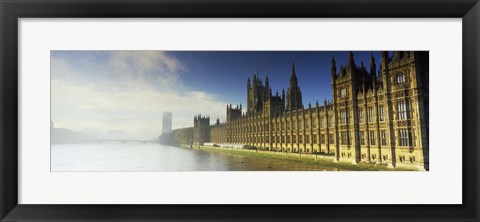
(294,95)
(167,122)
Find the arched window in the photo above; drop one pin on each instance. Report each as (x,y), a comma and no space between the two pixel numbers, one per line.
(402,110)
(343,92)
(400,78)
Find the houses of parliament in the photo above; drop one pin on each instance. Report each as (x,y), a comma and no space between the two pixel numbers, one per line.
(374,116)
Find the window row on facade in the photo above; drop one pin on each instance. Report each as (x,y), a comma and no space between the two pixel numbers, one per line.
(405,138)
(403,113)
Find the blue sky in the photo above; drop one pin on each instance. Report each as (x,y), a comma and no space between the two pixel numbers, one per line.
(99,91)
(225,73)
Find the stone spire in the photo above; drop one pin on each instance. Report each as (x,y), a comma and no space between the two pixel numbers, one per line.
(294,95)
(267,83)
(333,68)
(293,76)
(373,66)
(351,62)
(384,59)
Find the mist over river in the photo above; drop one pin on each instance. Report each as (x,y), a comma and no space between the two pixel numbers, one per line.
(160,158)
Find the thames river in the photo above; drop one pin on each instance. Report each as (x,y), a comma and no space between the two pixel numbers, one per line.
(161,158)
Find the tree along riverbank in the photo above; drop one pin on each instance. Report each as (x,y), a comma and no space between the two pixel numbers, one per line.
(318,159)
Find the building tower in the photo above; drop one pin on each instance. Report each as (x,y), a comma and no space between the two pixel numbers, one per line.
(233,112)
(294,95)
(256,93)
(167,122)
(201,130)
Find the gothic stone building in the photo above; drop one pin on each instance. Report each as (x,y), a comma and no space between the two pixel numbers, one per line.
(376,117)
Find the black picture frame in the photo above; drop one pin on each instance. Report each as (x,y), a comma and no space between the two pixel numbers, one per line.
(12,10)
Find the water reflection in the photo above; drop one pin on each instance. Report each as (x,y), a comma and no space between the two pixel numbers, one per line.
(155,157)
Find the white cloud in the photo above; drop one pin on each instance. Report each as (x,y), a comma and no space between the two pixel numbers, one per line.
(128,91)
(147,66)
(155,68)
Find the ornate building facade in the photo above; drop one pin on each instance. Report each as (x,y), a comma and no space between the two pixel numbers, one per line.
(374,116)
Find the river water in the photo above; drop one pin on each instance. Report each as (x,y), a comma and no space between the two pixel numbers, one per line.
(155,157)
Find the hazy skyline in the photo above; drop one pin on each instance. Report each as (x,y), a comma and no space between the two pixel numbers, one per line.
(99,91)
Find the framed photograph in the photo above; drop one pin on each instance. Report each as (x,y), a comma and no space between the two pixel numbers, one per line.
(103,128)
(209,110)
